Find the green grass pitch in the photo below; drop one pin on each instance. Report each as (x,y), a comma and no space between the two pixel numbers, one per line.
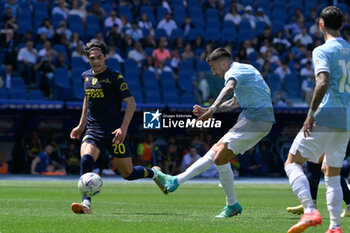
(44,206)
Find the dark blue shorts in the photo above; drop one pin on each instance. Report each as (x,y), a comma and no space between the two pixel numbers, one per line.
(120,150)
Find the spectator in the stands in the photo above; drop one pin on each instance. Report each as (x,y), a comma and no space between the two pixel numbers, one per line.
(168,24)
(149,65)
(97,10)
(80,52)
(126,43)
(175,60)
(247,45)
(307,58)
(47,29)
(113,55)
(189,158)
(33,145)
(8,47)
(137,54)
(162,67)
(281,100)
(61,9)
(43,162)
(150,42)
(4,167)
(248,15)
(125,22)
(78,10)
(198,43)
(114,36)
(281,43)
(260,16)
(145,23)
(307,70)
(251,163)
(179,44)
(206,52)
(187,25)
(135,32)
(282,71)
(166,5)
(294,27)
(75,40)
(307,87)
(12,4)
(187,53)
(26,60)
(113,19)
(144,151)
(64,30)
(6,77)
(72,158)
(304,37)
(211,4)
(233,15)
(9,21)
(161,53)
(267,35)
(61,61)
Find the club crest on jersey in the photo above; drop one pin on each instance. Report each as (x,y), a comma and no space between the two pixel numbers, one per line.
(94,81)
(120,76)
(124,86)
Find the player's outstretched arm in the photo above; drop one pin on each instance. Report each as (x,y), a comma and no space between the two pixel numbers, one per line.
(319,93)
(120,133)
(77,131)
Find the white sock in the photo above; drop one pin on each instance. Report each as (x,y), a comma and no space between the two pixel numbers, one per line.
(227,179)
(300,186)
(87,202)
(334,200)
(198,167)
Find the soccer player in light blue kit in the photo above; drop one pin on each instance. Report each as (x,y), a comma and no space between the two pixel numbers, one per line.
(254,123)
(327,125)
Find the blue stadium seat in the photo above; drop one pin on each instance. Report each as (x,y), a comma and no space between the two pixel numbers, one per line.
(18,83)
(114,64)
(152,97)
(248,2)
(277,25)
(212,35)
(149,51)
(203,66)
(244,35)
(24,26)
(78,92)
(185,82)
(160,32)
(132,77)
(196,15)
(138,96)
(274,82)
(170,96)
(59,48)
(149,11)
(108,8)
(130,65)
(176,33)
(179,15)
(187,98)
(167,81)
(245,26)
(125,10)
(78,63)
(76,76)
(292,86)
(194,32)
(75,20)
(161,12)
(92,26)
(17,94)
(177,4)
(228,25)
(150,81)
(229,36)
(194,4)
(3,93)
(36,95)
(56,19)
(187,66)
(61,78)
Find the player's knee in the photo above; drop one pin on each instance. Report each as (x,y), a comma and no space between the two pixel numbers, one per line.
(127,175)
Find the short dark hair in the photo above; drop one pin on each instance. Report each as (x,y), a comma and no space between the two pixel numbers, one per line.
(96,45)
(332,17)
(218,54)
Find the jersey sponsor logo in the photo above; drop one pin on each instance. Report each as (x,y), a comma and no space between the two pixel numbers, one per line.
(105,80)
(94,93)
(151,120)
(124,86)
(94,81)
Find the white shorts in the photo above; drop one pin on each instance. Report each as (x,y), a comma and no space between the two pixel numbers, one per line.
(331,141)
(245,134)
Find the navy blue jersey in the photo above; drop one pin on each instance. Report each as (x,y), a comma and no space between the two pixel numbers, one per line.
(104,93)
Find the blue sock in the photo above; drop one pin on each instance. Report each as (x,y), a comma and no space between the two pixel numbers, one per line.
(313,175)
(140,172)
(346,191)
(86,165)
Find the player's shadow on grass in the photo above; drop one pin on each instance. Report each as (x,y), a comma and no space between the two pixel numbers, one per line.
(156,214)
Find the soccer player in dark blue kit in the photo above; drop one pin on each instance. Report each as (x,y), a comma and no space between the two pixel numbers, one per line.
(105,125)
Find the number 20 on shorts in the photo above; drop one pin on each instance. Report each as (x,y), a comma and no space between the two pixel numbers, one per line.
(119,148)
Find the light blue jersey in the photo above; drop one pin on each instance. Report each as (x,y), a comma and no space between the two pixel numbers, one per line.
(333,57)
(252,92)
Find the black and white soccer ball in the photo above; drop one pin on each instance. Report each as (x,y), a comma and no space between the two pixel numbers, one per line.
(90,184)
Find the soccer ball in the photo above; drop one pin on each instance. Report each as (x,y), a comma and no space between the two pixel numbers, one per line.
(90,184)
